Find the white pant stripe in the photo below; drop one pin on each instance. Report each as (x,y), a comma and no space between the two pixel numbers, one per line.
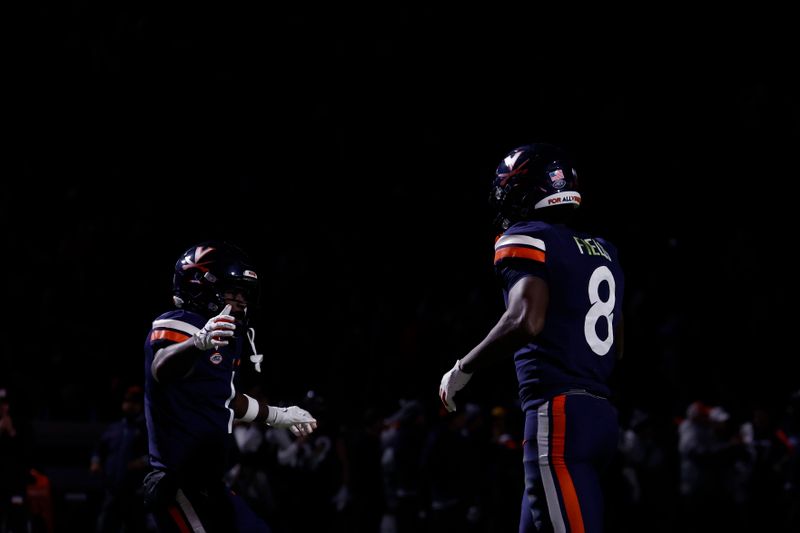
(188,510)
(543,440)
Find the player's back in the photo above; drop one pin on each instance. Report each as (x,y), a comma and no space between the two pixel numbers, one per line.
(576,348)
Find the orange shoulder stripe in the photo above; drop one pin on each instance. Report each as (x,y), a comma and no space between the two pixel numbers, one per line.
(169,335)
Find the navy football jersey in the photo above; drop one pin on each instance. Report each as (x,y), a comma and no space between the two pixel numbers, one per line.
(576,349)
(190,420)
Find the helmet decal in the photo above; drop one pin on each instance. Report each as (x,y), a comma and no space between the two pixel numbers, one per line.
(199,252)
(557,178)
(509,162)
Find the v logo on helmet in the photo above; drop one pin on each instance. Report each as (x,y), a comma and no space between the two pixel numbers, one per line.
(509,162)
(511,159)
(199,252)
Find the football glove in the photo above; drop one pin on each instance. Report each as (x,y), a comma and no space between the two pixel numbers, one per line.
(216,331)
(297,420)
(453,381)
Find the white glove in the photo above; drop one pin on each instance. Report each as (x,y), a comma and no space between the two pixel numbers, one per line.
(452,382)
(297,420)
(216,331)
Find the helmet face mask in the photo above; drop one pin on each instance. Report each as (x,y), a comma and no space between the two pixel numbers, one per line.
(205,272)
(531,178)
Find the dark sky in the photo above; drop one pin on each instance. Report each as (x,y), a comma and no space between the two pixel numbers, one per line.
(351,151)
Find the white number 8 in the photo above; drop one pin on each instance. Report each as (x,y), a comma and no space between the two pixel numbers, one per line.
(600,308)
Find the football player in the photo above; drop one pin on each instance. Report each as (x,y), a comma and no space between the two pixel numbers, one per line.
(563,290)
(192,354)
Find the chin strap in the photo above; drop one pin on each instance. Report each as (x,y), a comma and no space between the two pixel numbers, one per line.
(256,358)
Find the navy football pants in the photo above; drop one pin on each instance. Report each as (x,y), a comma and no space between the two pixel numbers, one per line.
(569,440)
(212,509)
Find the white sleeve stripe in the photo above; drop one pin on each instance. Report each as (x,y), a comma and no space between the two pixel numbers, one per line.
(525,240)
(178,325)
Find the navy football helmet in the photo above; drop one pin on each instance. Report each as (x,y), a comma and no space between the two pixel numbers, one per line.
(206,271)
(531,177)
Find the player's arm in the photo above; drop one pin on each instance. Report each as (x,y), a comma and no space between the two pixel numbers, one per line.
(248,409)
(522,321)
(176,360)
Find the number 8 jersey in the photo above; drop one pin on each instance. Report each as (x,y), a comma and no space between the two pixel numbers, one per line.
(577,348)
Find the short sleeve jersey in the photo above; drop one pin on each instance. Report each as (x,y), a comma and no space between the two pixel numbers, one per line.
(576,349)
(189,420)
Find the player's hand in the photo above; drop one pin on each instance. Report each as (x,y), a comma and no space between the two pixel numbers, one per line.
(216,331)
(453,381)
(297,420)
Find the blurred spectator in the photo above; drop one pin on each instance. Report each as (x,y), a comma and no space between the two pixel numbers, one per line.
(403,440)
(694,440)
(714,468)
(16,439)
(694,435)
(121,459)
(360,500)
(791,430)
(306,464)
(456,470)
(506,482)
(645,469)
(40,500)
(771,453)
(444,466)
(249,474)
(729,468)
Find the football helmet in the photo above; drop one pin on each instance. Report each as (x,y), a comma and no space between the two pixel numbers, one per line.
(531,177)
(204,272)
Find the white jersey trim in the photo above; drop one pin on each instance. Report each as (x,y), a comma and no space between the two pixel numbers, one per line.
(507,240)
(228,403)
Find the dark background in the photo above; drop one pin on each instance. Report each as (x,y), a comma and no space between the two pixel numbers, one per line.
(350,150)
